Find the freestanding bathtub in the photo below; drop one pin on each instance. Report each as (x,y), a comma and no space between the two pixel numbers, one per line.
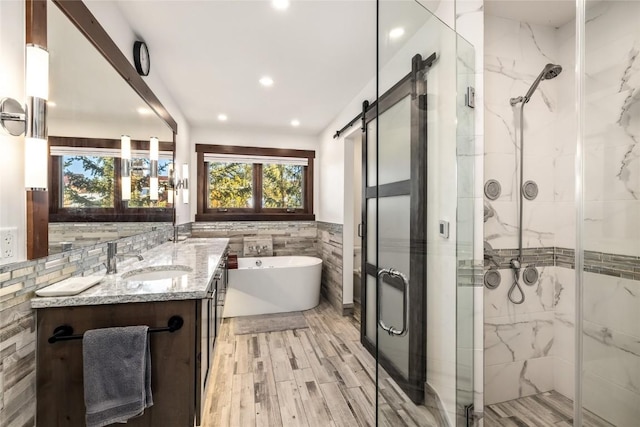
(273,285)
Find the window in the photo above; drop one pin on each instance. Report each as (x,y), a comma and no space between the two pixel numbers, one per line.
(282,186)
(85,184)
(87,181)
(140,169)
(247,183)
(230,185)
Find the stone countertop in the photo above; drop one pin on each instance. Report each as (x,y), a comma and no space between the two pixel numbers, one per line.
(202,255)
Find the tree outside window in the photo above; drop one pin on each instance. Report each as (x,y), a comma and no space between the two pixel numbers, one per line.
(140,169)
(282,186)
(88,182)
(230,185)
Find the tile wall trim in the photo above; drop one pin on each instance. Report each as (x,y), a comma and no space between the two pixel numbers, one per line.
(616,265)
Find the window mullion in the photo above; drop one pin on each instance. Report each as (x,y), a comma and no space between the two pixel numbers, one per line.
(118,204)
(257,187)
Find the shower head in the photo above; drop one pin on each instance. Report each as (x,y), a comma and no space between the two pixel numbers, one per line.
(551,70)
(548,72)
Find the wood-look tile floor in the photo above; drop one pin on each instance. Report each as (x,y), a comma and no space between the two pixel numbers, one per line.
(318,376)
(550,409)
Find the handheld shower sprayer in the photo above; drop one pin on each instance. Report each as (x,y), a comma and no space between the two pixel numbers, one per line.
(549,72)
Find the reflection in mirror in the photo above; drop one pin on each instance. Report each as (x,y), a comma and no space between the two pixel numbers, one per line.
(90,107)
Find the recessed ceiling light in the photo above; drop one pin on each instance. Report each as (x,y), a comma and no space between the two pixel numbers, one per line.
(222,117)
(280,4)
(295,123)
(396,33)
(144,111)
(51,104)
(266,81)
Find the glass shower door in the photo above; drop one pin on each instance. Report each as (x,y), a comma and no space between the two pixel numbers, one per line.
(394,258)
(418,207)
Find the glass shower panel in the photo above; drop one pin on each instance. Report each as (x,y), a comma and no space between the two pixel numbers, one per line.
(425,154)
(372,237)
(610,278)
(394,162)
(394,233)
(371,301)
(372,154)
(393,251)
(469,284)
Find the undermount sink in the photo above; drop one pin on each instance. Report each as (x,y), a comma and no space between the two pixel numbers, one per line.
(158,272)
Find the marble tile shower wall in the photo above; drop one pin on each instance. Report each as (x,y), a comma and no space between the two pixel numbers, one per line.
(18,282)
(611,383)
(520,340)
(536,339)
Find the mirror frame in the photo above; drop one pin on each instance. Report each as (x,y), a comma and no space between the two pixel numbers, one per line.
(76,11)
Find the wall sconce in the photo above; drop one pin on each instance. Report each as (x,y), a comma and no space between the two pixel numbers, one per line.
(182,183)
(33,122)
(154,154)
(185,183)
(171,185)
(125,166)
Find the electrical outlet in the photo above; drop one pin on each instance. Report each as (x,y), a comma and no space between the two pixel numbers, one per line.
(8,243)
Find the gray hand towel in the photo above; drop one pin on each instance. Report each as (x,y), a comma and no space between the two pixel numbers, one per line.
(117,374)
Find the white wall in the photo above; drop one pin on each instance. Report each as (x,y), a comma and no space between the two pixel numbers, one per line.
(226,135)
(110,17)
(12,192)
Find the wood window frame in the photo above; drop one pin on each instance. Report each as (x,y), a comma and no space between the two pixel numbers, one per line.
(257,213)
(119,212)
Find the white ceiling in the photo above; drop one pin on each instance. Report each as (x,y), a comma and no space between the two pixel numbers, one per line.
(553,13)
(211,54)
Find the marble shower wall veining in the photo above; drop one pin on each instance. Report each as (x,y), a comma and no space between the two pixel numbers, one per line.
(611,328)
(519,339)
(530,348)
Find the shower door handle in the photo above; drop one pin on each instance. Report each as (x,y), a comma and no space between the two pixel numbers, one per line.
(405,302)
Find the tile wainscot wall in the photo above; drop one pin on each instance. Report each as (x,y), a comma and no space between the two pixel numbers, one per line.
(18,282)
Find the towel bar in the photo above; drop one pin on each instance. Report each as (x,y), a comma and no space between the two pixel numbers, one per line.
(65,332)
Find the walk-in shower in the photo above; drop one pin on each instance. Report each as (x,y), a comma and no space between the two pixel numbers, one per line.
(528,190)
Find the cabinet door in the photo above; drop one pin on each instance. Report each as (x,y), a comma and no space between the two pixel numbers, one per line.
(60,387)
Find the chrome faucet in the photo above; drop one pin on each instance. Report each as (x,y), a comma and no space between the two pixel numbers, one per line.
(490,255)
(112,257)
(258,249)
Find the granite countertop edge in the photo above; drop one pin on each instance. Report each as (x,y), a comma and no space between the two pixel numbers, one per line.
(202,255)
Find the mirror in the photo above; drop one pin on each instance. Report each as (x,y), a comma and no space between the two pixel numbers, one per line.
(90,107)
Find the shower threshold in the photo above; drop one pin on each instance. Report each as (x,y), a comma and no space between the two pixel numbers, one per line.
(544,409)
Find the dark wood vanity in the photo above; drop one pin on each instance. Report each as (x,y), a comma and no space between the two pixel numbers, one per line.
(180,360)
(174,361)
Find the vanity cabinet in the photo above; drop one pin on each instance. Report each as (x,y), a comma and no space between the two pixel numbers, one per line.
(180,361)
(207,334)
